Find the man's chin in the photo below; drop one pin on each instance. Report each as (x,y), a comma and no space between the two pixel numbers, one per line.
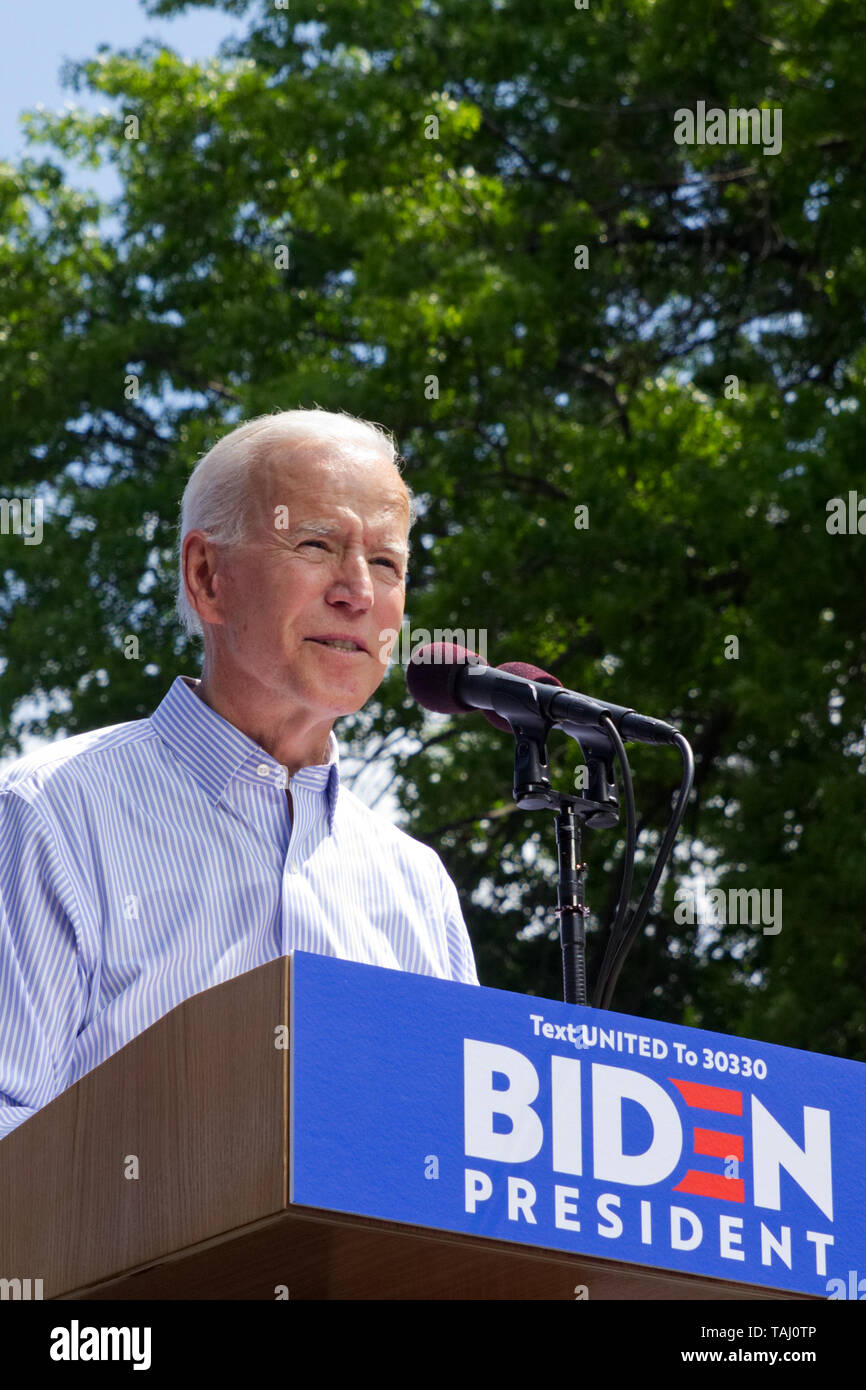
(338,705)
(340,693)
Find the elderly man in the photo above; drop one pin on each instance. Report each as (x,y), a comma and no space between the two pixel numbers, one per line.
(147,861)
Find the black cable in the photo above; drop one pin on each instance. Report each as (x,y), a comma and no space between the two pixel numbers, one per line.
(617,951)
(630,837)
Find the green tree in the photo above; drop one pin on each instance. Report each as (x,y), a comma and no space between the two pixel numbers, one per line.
(472,222)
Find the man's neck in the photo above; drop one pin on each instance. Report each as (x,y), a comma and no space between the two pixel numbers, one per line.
(292,767)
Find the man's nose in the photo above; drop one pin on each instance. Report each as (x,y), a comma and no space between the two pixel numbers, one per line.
(353,583)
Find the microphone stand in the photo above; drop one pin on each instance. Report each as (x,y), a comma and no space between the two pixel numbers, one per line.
(533,791)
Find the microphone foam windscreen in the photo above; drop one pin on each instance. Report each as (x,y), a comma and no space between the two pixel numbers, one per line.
(529,673)
(431,674)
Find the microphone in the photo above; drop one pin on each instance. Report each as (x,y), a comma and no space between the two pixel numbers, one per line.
(448,679)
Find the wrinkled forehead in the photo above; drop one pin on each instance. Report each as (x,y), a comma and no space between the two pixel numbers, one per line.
(333,479)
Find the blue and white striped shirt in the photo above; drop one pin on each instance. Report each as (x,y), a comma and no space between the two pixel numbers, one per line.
(145,862)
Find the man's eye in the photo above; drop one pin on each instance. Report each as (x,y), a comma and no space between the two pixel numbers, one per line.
(380,560)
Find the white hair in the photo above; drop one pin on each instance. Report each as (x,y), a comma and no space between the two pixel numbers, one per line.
(220,496)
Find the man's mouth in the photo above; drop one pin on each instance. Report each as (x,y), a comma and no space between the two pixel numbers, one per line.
(339,644)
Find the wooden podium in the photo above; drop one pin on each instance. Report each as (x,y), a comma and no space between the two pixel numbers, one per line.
(164,1174)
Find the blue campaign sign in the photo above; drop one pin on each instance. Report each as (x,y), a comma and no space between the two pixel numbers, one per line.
(501,1115)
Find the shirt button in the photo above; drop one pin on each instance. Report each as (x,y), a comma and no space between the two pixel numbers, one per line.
(263,770)
(295,867)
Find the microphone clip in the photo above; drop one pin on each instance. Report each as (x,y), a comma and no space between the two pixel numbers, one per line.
(533,791)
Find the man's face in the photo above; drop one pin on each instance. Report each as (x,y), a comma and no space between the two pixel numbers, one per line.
(328,561)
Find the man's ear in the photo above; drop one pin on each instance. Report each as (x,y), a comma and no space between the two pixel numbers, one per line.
(202,564)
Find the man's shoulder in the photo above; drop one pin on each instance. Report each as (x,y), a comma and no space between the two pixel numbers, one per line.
(367,821)
(74,759)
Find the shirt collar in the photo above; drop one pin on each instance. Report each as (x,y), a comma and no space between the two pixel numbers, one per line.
(214,751)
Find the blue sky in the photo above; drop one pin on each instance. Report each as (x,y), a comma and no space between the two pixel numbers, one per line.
(38,35)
